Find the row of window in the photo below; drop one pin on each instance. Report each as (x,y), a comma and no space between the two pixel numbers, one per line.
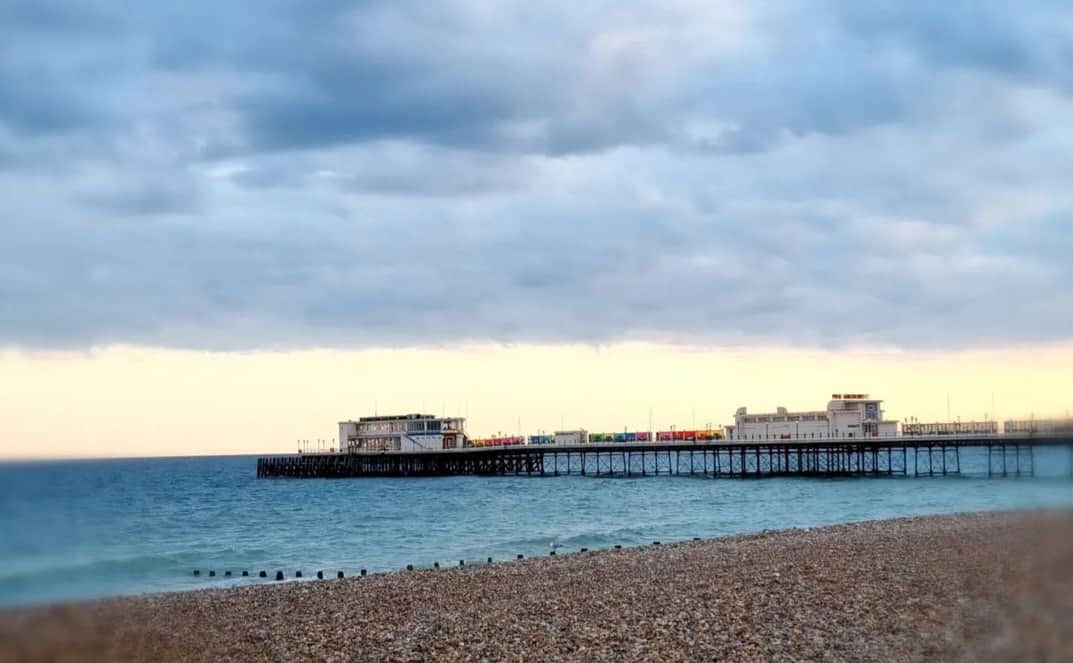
(382,427)
(801,417)
(804,436)
(435,426)
(374,444)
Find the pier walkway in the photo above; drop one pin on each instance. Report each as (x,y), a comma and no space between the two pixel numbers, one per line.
(938,455)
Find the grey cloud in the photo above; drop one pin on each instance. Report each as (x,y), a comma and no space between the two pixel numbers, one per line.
(389,169)
(237,176)
(145,200)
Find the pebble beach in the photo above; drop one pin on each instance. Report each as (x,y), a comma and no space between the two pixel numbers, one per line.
(990,586)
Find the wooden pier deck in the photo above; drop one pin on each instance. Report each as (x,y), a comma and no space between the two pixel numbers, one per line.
(1007,455)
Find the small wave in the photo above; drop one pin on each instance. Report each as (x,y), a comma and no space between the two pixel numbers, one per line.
(594,539)
(135,565)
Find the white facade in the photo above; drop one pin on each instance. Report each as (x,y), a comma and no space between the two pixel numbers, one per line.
(348,430)
(847,416)
(408,432)
(571,436)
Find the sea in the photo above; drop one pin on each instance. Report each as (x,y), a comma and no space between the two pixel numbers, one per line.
(85,529)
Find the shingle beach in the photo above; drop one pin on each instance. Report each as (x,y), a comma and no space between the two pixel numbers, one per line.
(969,587)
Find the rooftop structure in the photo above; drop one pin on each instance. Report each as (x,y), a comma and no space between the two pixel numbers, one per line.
(406,432)
(580,436)
(846,416)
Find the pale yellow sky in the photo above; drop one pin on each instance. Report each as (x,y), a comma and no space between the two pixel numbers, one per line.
(134,401)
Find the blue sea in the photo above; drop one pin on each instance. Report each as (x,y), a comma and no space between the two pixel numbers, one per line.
(85,529)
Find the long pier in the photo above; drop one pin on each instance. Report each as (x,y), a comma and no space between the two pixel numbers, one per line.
(938,455)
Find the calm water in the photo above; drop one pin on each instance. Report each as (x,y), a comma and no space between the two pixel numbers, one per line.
(94,528)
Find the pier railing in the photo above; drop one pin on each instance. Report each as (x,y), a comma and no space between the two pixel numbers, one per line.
(933,455)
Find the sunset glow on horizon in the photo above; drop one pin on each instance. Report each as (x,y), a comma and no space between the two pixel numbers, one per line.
(136,401)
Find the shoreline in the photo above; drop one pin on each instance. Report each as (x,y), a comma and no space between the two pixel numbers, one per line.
(897,589)
(477,563)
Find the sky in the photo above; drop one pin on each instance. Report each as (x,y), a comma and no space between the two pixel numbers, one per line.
(297,207)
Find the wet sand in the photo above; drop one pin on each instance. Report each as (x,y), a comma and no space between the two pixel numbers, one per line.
(969,587)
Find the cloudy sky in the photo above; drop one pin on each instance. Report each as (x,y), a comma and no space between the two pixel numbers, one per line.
(282,176)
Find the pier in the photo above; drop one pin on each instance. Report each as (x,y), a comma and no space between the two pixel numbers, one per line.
(1008,455)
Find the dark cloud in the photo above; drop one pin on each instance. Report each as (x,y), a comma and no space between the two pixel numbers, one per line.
(363,105)
(332,173)
(976,35)
(62,18)
(37,103)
